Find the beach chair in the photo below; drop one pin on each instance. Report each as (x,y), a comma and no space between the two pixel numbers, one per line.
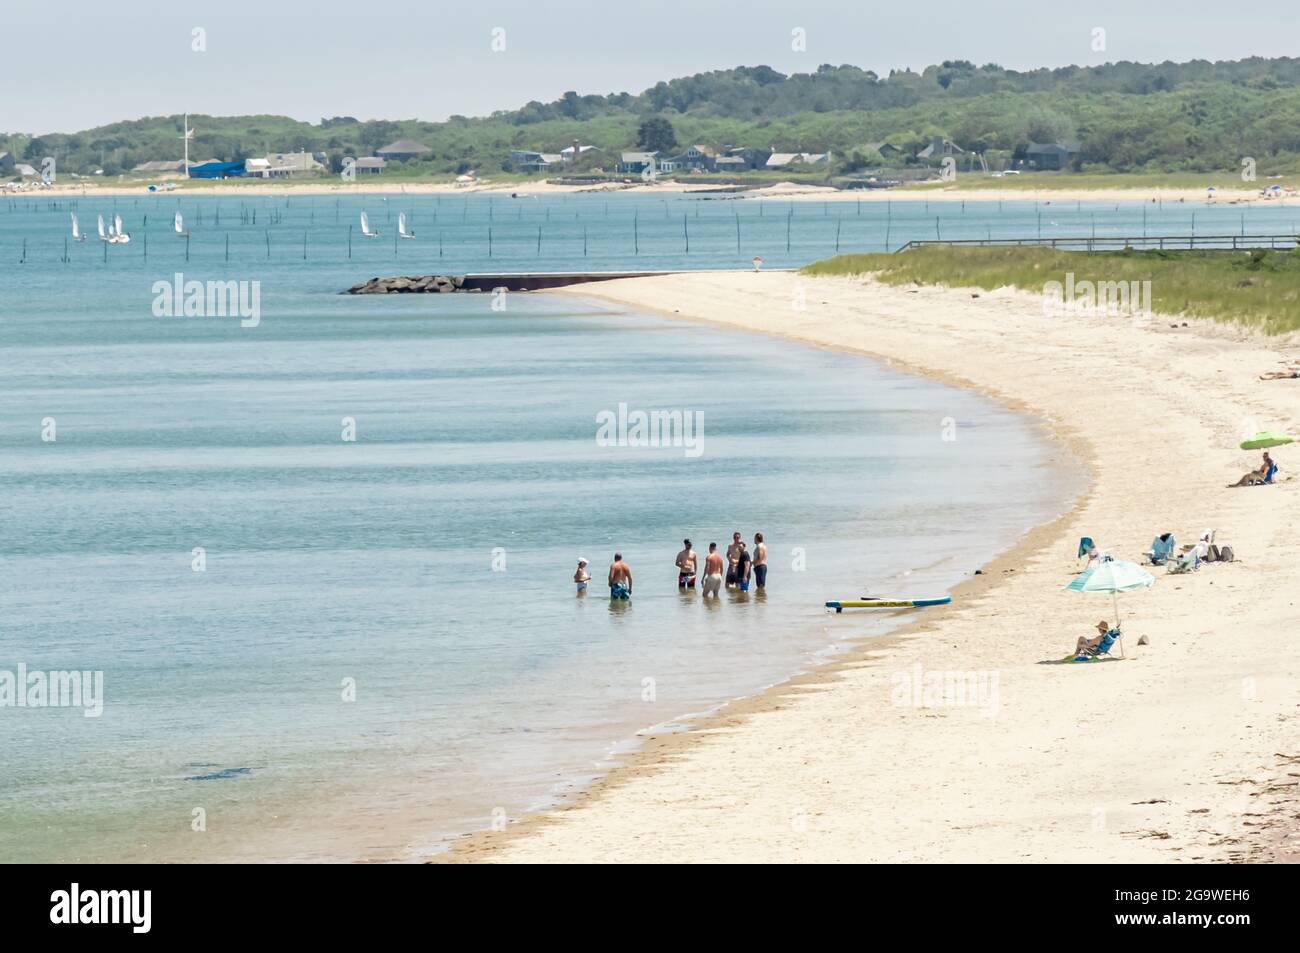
(1162,549)
(1111,638)
(1272,469)
(1086,548)
(1189,561)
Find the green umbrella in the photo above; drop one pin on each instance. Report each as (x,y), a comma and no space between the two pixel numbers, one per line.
(1265,439)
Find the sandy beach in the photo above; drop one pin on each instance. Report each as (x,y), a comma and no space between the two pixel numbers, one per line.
(1189,750)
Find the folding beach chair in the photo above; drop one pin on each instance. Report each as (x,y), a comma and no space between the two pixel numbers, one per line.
(1086,548)
(1111,638)
(1162,549)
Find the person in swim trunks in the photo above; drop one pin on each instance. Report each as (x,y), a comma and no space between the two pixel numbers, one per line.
(620,578)
(760,561)
(686,561)
(742,568)
(733,556)
(582,577)
(712,572)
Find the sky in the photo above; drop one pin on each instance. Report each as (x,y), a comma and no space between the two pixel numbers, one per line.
(80,64)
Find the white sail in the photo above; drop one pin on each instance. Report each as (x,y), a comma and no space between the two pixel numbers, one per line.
(76,228)
(401,226)
(179,223)
(365,224)
(102,236)
(117,224)
(120,233)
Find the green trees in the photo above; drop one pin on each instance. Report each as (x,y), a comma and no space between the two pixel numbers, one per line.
(656,135)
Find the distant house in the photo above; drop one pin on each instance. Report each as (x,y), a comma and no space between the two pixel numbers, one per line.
(25,170)
(283,165)
(1051,155)
(577,150)
(369,165)
(729,164)
(753,158)
(161,165)
(257,168)
(403,149)
(779,160)
(886,150)
(528,160)
(6,163)
(939,147)
(694,159)
(637,162)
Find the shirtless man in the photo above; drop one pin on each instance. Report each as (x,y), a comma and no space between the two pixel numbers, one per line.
(760,561)
(620,578)
(686,561)
(733,557)
(712,572)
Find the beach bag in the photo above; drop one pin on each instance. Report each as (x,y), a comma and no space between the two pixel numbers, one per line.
(1225,554)
(1212,554)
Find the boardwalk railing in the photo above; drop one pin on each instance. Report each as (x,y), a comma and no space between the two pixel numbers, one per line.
(1144,243)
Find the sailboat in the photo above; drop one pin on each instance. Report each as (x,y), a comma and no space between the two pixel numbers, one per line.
(401,226)
(365,227)
(122,237)
(103,236)
(76,229)
(179,224)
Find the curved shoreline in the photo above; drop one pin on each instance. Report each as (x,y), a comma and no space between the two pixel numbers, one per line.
(649,809)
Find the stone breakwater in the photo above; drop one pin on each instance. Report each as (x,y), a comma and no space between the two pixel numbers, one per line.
(410,284)
(521,281)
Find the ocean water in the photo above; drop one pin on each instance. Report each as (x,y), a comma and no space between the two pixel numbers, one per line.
(384,647)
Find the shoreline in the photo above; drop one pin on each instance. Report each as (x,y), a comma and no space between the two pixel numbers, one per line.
(781,191)
(656,795)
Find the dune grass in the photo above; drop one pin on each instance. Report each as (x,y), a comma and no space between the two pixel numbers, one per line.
(1258,288)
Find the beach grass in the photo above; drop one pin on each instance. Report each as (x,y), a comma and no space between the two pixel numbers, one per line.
(1258,288)
(1228,180)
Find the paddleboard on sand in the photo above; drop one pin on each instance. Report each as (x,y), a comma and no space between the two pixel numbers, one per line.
(842,604)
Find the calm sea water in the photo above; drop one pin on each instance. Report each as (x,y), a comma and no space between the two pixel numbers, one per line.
(385,648)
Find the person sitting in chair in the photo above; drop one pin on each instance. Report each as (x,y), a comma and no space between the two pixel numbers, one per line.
(1263,475)
(1086,647)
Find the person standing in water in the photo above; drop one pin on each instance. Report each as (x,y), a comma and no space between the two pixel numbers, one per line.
(712,571)
(742,568)
(620,578)
(733,557)
(582,577)
(760,561)
(686,561)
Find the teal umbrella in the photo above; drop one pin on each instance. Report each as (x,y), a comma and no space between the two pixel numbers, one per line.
(1113,576)
(1265,439)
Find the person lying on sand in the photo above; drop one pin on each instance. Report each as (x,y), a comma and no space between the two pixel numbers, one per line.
(1290,374)
(1087,646)
(1255,477)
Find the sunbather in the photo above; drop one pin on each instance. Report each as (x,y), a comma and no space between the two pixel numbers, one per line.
(1087,648)
(1263,475)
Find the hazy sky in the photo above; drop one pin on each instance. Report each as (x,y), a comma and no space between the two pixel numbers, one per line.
(77,63)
